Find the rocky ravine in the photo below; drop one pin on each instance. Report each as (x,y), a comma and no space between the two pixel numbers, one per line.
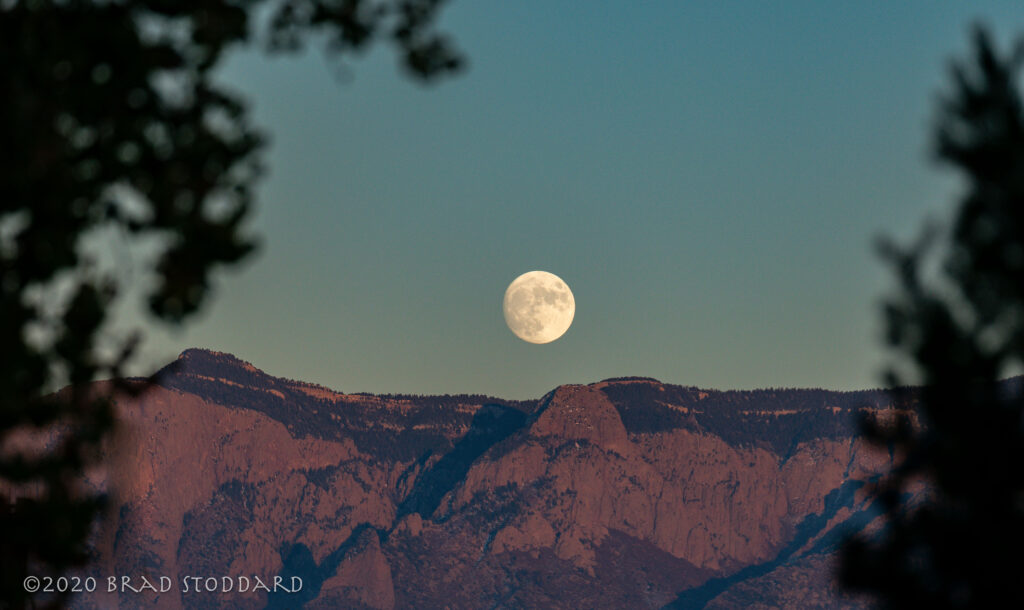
(623,493)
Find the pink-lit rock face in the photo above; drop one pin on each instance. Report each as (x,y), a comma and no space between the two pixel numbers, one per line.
(623,493)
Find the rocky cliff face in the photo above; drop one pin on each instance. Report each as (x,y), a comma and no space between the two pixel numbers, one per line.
(623,493)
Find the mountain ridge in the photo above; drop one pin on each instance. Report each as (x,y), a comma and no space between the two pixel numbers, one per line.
(194,357)
(620,493)
(664,406)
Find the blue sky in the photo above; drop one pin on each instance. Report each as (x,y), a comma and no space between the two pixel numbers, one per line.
(707,178)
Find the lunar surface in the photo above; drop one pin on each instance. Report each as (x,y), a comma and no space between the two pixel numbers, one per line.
(539,307)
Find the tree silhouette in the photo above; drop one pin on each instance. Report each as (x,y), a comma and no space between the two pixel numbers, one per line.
(954,503)
(110,119)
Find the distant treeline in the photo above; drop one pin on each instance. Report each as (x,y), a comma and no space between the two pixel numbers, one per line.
(776,418)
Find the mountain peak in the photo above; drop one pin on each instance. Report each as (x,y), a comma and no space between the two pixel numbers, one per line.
(581,412)
(202,356)
(211,365)
(630,379)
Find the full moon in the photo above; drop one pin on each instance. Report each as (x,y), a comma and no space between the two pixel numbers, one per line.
(539,307)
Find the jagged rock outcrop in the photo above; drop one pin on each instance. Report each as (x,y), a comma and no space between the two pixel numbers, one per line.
(623,493)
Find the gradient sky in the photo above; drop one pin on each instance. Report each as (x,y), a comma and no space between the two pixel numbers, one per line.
(708,179)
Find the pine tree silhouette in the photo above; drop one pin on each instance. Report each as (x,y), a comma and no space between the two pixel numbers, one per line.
(110,118)
(954,504)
